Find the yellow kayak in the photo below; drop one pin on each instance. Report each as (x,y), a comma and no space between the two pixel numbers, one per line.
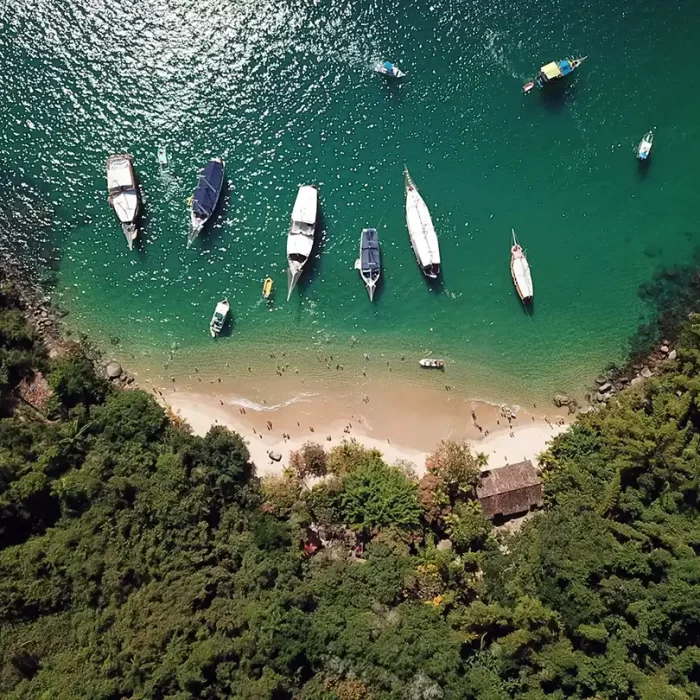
(267,288)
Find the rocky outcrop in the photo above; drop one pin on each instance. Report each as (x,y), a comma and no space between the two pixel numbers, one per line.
(114,370)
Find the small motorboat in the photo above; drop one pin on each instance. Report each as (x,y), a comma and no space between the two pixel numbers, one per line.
(520,272)
(162,157)
(388,69)
(644,148)
(218,320)
(369,263)
(267,288)
(432,363)
(123,195)
(206,196)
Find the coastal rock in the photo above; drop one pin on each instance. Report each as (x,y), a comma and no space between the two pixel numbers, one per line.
(664,349)
(444,545)
(601,398)
(604,388)
(114,370)
(561,400)
(587,410)
(274,456)
(636,381)
(600,380)
(646,373)
(672,355)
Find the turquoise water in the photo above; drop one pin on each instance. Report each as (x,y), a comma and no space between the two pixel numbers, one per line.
(286,93)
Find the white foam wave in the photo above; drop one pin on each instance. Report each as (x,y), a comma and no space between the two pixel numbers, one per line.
(242,402)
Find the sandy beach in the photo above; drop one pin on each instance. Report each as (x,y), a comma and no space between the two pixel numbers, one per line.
(403,421)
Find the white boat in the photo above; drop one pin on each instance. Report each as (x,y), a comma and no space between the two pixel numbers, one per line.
(388,69)
(302,229)
(421,230)
(432,363)
(124,196)
(369,263)
(218,320)
(644,148)
(206,196)
(520,272)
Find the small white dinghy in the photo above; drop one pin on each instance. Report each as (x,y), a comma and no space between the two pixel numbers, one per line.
(388,69)
(520,272)
(644,148)
(218,320)
(432,363)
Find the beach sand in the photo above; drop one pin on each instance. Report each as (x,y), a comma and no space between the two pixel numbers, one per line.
(402,420)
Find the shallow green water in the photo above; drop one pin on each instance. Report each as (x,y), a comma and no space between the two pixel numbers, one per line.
(285,92)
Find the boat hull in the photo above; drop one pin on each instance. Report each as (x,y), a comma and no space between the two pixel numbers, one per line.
(302,234)
(421,231)
(123,195)
(369,263)
(209,195)
(520,272)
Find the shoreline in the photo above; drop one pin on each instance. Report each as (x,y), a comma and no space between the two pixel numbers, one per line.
(404,423)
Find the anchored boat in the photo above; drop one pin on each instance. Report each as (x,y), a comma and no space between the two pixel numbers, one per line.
(370,262)
(432,363)
(644,148)
(124,197)
(421,230)
(388,69)
(205,197)
(218,320)
(554,71)
(300,239)
(267,288)
(520,272)
(162,157)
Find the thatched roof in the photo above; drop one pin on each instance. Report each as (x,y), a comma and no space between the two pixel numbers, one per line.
(512,489)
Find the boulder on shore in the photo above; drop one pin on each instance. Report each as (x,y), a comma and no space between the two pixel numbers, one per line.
(114,370)
(561,400)
(672,355)
(604,388)
(646,373)
(600,380)
(664,349)
(444,545)
(274,456)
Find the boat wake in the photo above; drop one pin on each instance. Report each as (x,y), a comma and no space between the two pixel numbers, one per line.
(495,48)
(253,406)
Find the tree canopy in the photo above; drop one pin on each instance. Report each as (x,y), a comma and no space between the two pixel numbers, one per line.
(140,561)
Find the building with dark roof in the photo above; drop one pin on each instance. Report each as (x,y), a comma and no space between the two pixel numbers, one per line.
(510,490)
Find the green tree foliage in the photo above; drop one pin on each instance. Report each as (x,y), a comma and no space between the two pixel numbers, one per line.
(20,351)
(140,561)
(375,496)
(74,380)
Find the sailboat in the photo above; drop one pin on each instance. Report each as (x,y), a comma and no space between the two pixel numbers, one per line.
(644,148)
(370,262)
(421,230)
(302,229)
(205,197)
(124,196)
(554,71)
(520,272)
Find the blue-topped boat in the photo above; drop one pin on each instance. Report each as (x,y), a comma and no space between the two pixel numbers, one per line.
(370,262)
(205,197)
(389,69)
(554,71)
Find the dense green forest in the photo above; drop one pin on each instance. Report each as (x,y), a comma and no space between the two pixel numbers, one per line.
(140,561)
